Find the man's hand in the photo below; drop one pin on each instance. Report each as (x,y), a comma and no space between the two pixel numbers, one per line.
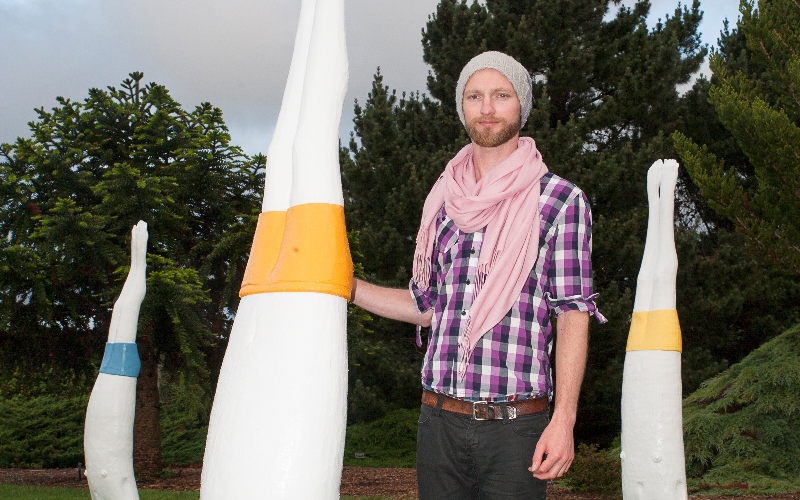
(556,447)
(554,451)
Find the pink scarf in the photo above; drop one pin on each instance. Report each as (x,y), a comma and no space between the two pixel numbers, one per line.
(506,203)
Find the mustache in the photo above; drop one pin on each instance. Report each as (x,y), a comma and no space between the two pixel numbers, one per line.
(492,120)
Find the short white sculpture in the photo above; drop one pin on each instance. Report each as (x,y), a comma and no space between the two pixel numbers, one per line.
(653,463)
(278,421)
(108,432)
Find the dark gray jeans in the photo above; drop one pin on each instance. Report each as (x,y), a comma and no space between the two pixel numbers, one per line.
(459,458)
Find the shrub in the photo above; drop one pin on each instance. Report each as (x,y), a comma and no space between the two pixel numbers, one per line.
(41,425)
(43,431)
(390,441)
(743,426)
(185,410)
(595,471)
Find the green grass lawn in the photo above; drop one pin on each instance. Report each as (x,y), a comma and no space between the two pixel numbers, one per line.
(13,492)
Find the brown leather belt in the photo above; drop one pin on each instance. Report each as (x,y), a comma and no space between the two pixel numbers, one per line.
(484,410)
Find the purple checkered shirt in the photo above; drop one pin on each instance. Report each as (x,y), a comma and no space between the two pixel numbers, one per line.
(512,360)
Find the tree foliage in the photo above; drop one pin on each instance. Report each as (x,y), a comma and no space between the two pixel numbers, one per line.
(41,421)
(755,97)
(743,426)
(68,199)
(42,431)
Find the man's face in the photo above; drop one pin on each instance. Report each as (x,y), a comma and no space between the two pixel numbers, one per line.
(491,108)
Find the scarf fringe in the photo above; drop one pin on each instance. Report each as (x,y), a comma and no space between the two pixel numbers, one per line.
(495,258)
(464,350)
(483,272)
(480,280)
(422,271)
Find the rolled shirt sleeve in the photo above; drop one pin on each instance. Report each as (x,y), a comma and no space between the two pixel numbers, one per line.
(569,285)
(424,299)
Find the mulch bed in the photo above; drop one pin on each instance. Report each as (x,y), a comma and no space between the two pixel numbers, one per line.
(356,481)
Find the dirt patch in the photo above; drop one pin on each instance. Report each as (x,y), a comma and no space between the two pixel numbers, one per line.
(356,481)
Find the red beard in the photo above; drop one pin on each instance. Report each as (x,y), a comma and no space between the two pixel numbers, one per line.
(488,139)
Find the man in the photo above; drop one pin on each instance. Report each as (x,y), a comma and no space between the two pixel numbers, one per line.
(503,244)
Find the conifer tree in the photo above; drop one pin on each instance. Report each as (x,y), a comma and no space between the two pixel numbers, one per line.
(755,98)
(739,425)
(69,196)
(743,426)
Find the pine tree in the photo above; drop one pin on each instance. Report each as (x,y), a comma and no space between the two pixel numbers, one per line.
(755,98)
(738,425)
(70,194)
(737,300)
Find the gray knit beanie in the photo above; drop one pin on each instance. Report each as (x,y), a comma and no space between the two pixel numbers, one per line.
(515,72)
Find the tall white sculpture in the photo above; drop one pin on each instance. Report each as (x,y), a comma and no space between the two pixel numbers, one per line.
(278,421)
(653,463)
(108,432)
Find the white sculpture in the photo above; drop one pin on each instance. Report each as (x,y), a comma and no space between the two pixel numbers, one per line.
(278,420)
(108,433)
(653,463)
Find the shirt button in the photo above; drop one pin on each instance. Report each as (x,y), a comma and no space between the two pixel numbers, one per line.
(468,282)
(472,250)
(463,312)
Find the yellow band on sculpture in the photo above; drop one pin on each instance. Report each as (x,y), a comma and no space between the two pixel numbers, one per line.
(313,254)
(655,331)
(265,250)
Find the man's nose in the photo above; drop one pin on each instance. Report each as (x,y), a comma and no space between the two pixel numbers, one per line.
(487,106)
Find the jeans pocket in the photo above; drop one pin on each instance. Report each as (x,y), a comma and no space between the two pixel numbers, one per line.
(425,413)
(530,425)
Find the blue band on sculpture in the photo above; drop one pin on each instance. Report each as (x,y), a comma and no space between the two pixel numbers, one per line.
(121,358)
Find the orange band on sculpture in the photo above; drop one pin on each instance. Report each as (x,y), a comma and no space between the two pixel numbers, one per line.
(265,250)
(655,331)
(314,255)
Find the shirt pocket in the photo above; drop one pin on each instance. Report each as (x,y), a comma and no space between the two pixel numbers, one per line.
(547,229)
(446,244)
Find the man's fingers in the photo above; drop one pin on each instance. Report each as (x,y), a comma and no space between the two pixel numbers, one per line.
(538,457)
(552,468)
(546,467)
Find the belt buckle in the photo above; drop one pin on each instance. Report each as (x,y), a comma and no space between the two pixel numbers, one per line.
(511,410)
(475,408)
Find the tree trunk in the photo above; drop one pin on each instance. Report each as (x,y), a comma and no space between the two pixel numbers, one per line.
(147,424)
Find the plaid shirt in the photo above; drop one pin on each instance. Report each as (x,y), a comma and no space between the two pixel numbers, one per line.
(512,360)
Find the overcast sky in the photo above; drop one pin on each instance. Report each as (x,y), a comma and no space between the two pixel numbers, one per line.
(232,53)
